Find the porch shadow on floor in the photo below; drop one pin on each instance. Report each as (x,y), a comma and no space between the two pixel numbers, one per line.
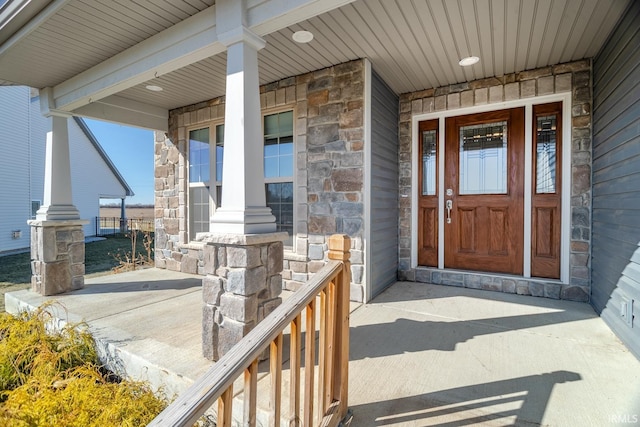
(420,354)
(521,401)
(436,355)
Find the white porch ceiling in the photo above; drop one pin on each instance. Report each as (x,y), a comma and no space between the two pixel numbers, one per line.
(412,44)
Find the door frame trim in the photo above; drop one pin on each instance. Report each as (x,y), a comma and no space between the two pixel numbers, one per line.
(528,103)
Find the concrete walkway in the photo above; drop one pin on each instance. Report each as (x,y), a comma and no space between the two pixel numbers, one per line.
(420,354)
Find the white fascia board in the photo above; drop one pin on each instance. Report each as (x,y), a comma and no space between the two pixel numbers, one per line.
(112,196)
(189,41)
(126,111)
(266,17)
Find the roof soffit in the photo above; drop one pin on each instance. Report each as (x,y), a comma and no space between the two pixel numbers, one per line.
(412,45)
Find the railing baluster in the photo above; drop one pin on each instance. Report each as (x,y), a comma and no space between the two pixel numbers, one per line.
(309,362)
(339,250)
(224,407)
(330,343)
(322,353)
(275,361)
(250,394)
(294,372)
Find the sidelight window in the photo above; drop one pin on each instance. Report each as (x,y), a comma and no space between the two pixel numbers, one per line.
(429,143)
(546,155)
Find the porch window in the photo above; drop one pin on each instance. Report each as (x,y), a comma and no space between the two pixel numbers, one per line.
(201,157)
(219,154)
(278,169)
(35,205)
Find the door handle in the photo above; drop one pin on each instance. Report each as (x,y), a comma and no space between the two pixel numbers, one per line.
(449,205)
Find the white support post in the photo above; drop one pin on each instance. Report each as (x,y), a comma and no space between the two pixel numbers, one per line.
(57,238)
(243,209)
(58,202)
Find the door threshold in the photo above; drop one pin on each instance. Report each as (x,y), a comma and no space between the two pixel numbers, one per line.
(498,282)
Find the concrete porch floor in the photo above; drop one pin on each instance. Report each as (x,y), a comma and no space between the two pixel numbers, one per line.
(420,354)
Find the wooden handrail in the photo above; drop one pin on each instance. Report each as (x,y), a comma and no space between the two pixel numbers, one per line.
(332,283)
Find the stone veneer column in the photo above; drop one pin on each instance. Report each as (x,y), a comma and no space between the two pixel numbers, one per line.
(57,256)
(242,286)
(57,238)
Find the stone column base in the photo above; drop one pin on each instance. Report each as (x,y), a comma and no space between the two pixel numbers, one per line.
(242,286)
(57,256)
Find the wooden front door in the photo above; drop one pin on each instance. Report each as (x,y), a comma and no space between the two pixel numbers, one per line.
(484,191)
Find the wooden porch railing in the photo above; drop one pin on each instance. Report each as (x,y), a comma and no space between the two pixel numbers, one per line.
(327,399)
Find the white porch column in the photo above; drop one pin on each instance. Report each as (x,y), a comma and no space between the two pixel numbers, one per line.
(243,209)
(58,202)
(57,238)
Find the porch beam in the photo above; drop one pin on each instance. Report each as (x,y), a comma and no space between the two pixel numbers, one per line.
(126,111)
(192,40)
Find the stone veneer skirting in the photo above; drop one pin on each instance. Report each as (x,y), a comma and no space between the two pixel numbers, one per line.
(328,107)
(574,77)
(498,283)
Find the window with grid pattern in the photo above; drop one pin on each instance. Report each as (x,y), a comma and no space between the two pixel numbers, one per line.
(278,169)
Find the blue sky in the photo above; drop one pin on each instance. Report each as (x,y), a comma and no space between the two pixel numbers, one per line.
(131,151)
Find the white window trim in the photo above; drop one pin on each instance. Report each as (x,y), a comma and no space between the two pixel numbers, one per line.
(275,180)
(528,103)
(212,183)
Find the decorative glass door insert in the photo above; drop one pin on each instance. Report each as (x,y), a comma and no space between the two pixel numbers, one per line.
(483,158)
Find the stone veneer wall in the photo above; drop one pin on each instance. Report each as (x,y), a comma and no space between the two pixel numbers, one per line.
(329,144)
(574,77)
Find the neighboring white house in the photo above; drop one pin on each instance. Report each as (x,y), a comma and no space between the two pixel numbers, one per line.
(23,131)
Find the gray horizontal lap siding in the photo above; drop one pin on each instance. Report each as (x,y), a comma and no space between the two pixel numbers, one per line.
(616,177)
(384,186)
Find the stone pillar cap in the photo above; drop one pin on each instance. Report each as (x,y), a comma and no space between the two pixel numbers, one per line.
(242,239)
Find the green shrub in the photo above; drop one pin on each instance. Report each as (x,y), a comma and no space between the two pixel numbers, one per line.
(50,376)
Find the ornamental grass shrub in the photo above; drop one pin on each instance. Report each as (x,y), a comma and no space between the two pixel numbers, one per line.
(51,377)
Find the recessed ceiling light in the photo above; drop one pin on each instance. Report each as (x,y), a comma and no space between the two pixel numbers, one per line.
(302,36)
(154,88)
(469,60)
